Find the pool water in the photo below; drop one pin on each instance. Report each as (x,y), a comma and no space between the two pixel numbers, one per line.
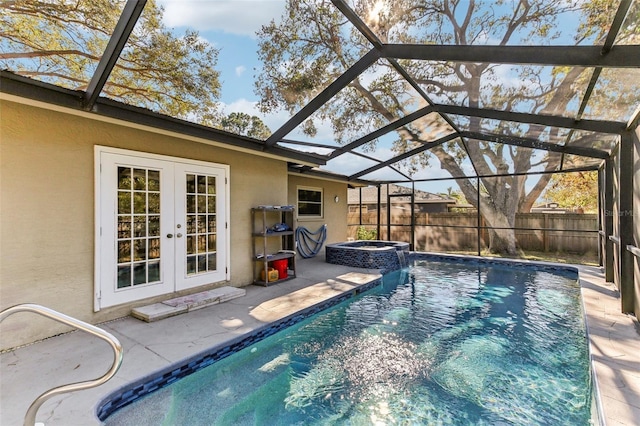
(436,343)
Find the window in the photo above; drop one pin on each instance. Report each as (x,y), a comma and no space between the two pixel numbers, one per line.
(309,202)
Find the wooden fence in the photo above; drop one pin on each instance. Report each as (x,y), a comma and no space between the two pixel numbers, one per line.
(454,232)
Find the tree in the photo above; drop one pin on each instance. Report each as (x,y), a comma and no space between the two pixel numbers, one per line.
(454,194)
(244,124)
(574,190)
(61,42)
(313,44)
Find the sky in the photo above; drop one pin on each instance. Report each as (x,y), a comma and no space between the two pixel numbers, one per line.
(218,22)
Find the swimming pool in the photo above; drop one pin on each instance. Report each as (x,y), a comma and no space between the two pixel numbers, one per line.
(435,343)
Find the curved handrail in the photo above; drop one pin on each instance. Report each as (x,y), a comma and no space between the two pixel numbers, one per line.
(30,416)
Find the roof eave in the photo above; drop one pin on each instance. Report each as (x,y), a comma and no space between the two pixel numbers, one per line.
(40,92)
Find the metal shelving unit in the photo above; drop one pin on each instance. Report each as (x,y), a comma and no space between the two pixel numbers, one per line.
(271,245)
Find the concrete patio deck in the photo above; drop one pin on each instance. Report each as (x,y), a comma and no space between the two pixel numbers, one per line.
(28,371)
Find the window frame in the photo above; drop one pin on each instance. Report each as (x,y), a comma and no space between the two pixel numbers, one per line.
(303,216)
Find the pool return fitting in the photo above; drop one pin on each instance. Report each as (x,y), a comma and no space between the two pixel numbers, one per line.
(30,416)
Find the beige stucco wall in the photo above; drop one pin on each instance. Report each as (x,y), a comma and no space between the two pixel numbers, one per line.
(335,214)
(47,210)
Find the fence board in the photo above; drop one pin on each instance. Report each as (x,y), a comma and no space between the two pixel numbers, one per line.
(551,233)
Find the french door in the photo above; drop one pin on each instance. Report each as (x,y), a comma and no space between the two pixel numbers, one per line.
(162,225)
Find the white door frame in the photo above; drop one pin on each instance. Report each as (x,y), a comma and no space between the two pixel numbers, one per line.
(172,170)
(183,279)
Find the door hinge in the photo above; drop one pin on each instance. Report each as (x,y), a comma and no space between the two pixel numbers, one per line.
(226,270)
(226,225)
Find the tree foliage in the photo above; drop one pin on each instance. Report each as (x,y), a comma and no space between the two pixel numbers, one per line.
(574,190)
(61,42)
(314,43)
(241,123)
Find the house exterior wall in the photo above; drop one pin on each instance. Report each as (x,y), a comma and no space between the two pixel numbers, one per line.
(47,210)
(335,214)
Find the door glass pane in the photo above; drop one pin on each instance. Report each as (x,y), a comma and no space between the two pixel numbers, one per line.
(202,243)
(202,181)
(124,202)
(154,180)
(124,276)
(139,179)
(191,265)
(154,203)
(124,251)
(139,249)
(154,271)
(139,202)
(191,184)
(191,224)
(202,223)
(191,244)
(211,223)
(139,273)
(124,226)
(202,203)
(201,228)
(138,226)
(202,263)
(154,226)
(124,178)
(211,262)
(154,248)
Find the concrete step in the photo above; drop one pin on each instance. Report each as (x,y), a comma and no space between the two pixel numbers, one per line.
(191,302)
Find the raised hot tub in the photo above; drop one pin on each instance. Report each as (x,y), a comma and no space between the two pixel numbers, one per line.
(371,254)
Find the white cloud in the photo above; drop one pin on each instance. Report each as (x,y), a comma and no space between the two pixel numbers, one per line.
(242,17)
(240,69)
(348,164)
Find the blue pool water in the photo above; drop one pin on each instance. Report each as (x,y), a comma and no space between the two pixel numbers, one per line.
(436,343)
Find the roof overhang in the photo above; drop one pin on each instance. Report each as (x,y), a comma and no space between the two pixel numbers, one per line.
(315,173)
(27,91)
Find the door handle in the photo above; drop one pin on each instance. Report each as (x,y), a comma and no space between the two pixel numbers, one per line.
(169,235)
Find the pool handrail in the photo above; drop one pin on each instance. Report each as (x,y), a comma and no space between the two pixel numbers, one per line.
(30,416)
